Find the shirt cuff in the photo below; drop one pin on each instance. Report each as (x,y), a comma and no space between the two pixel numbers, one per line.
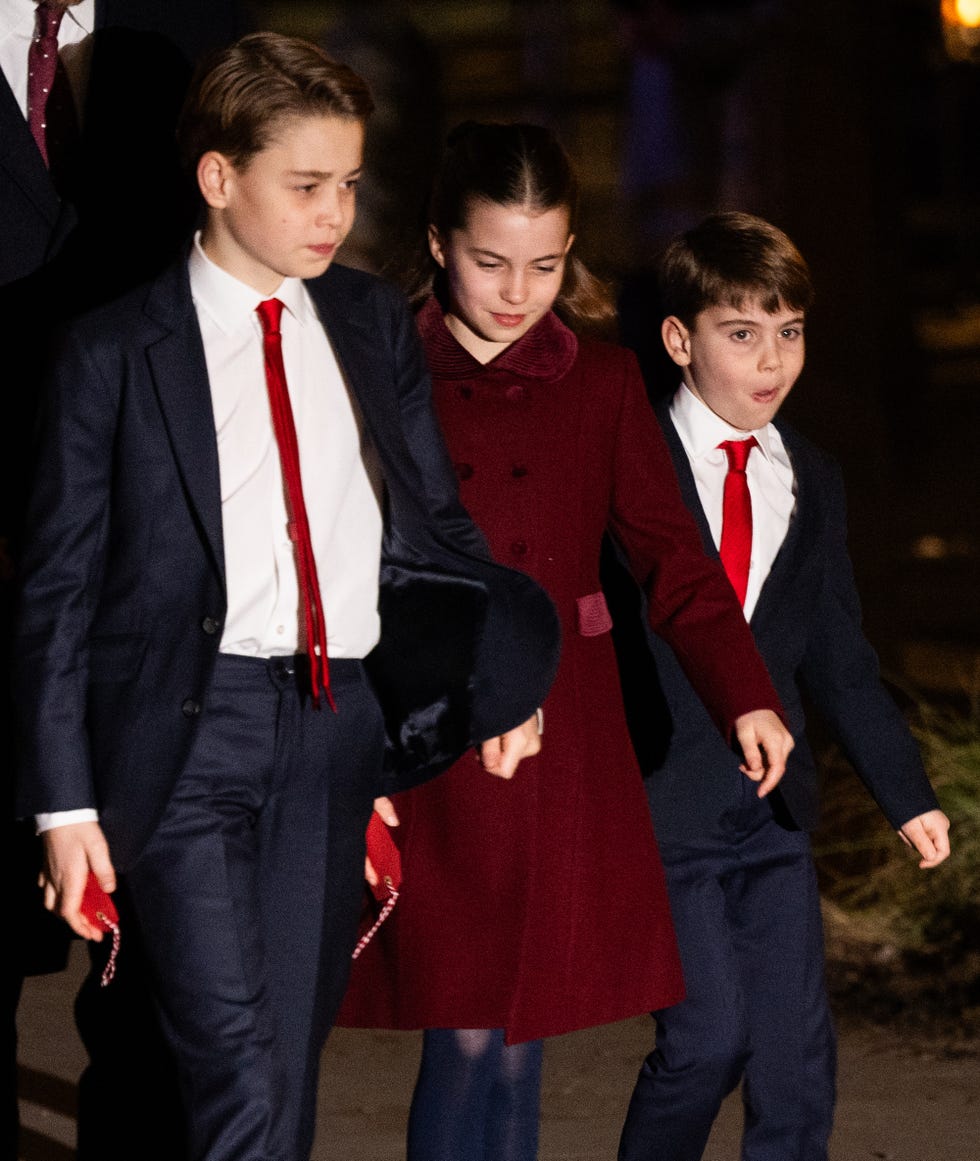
(45,822)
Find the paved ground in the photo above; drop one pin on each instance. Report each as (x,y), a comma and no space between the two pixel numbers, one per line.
(899,1101)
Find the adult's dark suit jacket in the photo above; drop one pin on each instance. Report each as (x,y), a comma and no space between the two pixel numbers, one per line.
(125,206)
(124,592)
(125,177)
(807,625)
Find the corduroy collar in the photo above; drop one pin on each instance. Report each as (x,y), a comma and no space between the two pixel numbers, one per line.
(546,352)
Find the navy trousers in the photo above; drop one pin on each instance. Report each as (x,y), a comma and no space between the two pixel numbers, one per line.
(248,896)
(129,1102)
(747,914)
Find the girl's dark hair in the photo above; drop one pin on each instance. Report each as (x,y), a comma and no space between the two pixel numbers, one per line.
(728,258)
(515,165)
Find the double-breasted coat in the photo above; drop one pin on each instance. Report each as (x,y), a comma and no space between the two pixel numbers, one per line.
(538,905)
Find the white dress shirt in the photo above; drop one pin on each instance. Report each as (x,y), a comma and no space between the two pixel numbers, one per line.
(340,472)
(341,478)
(769,473)
(17,21)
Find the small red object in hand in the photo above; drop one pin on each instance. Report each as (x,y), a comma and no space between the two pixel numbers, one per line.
(387,862)
(99,909)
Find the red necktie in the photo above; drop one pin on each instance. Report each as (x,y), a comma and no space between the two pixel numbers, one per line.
(270,313)
(736,522)
(50,105)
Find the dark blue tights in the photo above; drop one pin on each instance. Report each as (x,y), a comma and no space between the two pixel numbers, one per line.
(475,1099)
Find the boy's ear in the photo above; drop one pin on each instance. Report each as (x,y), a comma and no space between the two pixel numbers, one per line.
(213,173)
(435,246)
(677,340)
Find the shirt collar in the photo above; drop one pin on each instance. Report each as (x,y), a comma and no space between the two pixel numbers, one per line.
(21,14)
(231,303)
(701,430)
(83,15)
(17,16)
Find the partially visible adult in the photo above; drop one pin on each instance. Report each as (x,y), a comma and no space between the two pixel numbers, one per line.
(91,201)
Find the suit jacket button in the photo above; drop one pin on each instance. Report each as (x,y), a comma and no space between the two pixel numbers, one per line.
(518,471)
(516,392)
(190,708)
(519,548)
(210,625)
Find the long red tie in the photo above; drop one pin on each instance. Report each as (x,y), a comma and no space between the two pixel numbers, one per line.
(50,105)
(270,314)
(736,521)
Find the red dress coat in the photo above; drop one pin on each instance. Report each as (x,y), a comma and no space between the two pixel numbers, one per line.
(538,905)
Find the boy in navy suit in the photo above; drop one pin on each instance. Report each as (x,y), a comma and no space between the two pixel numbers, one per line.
(126,68)
(740,873)
(249,591)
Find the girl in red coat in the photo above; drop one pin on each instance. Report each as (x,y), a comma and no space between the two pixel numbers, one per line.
(536,906)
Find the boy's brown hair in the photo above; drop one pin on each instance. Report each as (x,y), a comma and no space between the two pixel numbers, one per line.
(727,259)
(242,93)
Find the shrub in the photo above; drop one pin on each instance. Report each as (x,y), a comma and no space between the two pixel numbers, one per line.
(922,926)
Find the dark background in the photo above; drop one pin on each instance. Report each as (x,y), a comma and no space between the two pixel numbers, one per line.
(844,122)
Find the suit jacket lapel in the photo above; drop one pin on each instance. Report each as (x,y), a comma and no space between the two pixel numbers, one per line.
(355,343)
(789,559)
(179,373)
(20,157)
(685,477)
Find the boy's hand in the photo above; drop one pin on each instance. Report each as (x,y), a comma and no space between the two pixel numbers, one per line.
(929,835)
(765,744)
(501,755)
(389,817)
(70,852)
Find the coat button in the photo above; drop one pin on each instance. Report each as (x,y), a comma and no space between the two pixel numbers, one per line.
(519,548)
(190,708)
(518,471)
(210,625)
(466,392)
(516,392)
(463,471)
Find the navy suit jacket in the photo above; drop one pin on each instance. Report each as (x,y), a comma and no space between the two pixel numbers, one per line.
(807,626)
(123,589)
(125,211)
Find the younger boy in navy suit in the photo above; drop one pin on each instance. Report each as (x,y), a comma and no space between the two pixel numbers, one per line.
(249,590)
(739,869)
